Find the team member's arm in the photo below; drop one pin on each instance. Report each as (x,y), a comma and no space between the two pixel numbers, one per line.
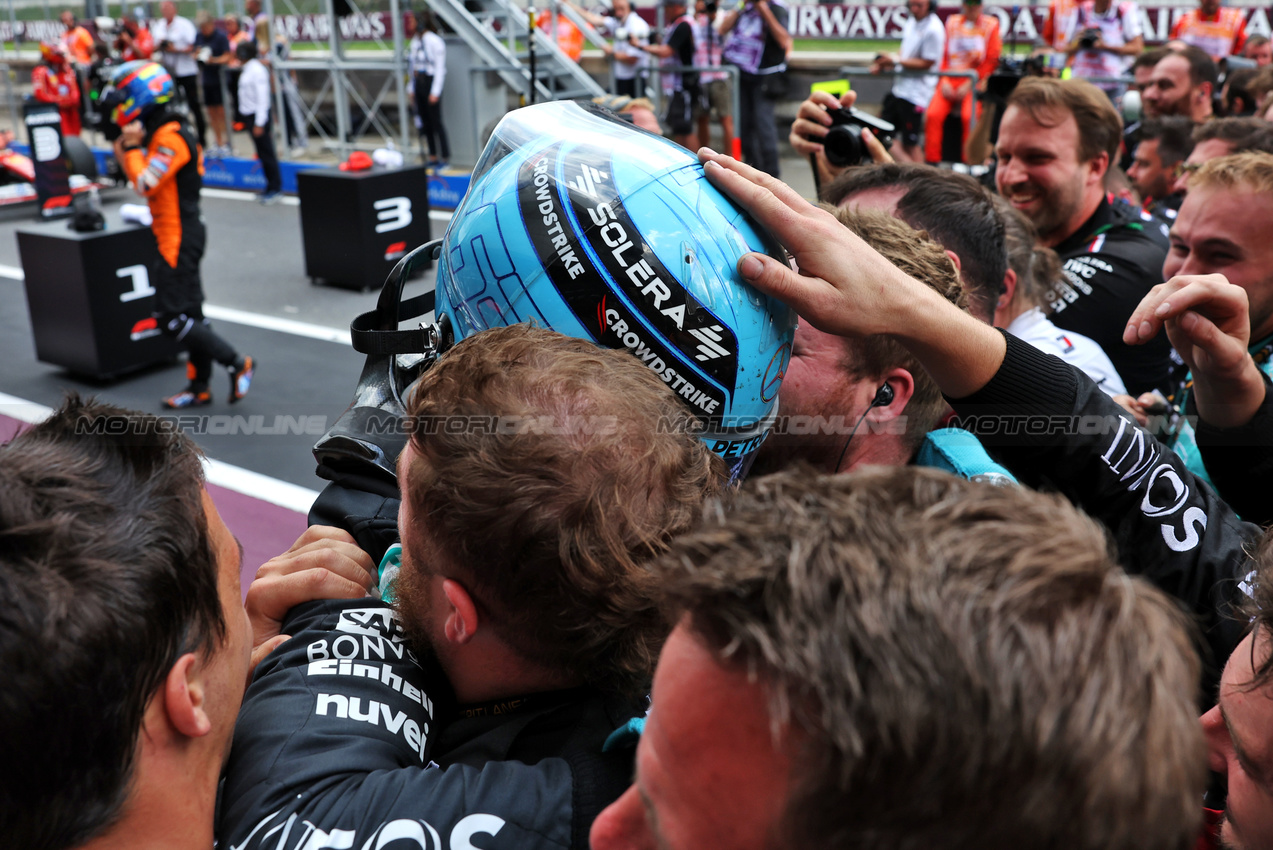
(994,48)
(1208,323)
(1239,38)
(72,95)
(777,28)
(323,563)
(149,170)
(438,57)
(1038,415)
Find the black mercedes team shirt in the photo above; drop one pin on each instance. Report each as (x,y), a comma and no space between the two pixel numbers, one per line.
(1110,263)
(348,740)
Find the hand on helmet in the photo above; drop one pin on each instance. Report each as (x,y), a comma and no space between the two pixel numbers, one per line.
(132,134)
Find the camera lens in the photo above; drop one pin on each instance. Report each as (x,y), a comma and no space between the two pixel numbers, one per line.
(843,145)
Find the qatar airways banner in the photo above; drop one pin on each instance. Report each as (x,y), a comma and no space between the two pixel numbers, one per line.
(807,21)
(1025,23)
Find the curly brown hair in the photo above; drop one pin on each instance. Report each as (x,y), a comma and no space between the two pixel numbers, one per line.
(964,665)
(548,471)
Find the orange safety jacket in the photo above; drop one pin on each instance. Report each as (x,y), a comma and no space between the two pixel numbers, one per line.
(168,172)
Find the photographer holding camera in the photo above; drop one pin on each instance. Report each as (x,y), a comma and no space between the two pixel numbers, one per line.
(630,32)
(923,42)
(1106,36)
(825,130)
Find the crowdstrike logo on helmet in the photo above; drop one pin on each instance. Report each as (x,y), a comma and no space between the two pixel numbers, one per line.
(581,223)
(553,230)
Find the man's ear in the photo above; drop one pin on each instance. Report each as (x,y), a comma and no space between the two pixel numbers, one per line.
(1100,165)
(185,700)
(1009,289)
(954,258)
(461,621)
(903,385)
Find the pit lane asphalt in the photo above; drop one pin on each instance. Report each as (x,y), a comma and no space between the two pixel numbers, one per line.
(254,264)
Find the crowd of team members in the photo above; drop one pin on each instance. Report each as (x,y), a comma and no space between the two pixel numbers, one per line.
(1048,640)
(1099,40)
(202,57)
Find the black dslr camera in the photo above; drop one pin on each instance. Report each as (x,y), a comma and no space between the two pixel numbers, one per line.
(1089,37)
(843,142)
(1010,72)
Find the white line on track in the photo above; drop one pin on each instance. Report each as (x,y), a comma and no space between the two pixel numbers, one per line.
(243,317)
(235,195)
(290,200)
(245,481)
(274,323)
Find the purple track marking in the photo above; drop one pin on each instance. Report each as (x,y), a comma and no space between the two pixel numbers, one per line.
(265,529)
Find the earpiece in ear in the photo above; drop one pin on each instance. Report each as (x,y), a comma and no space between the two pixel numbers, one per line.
(883,396)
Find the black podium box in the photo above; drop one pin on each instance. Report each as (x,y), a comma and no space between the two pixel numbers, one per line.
(357,224)
(90,298)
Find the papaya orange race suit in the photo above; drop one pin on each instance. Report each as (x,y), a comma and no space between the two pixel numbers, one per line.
(167,169)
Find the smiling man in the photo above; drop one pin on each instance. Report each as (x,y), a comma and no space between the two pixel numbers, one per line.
(124,639)
(1182,83)
(1222,228)
(1056,143)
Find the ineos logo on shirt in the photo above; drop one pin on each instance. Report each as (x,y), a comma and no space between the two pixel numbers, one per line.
(392,213)
(1137,459)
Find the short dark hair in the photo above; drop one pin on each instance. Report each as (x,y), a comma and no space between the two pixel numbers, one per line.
(1237,84)
(107,577)
(954,209)
(549,525)
(1149,58)
(1174,135)
(960,665)
(1241,134)
(245,51)
(1202,68)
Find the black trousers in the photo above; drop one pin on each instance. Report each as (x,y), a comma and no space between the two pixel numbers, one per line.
(265,152)
(179,306)
(431,118)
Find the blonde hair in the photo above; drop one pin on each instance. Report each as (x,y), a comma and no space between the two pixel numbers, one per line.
(1252,171)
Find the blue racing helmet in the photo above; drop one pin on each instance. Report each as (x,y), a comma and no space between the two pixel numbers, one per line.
(581,223)
(139,87)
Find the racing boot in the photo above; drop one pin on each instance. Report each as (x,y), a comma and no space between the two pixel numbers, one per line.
(241,377)
(196,393)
